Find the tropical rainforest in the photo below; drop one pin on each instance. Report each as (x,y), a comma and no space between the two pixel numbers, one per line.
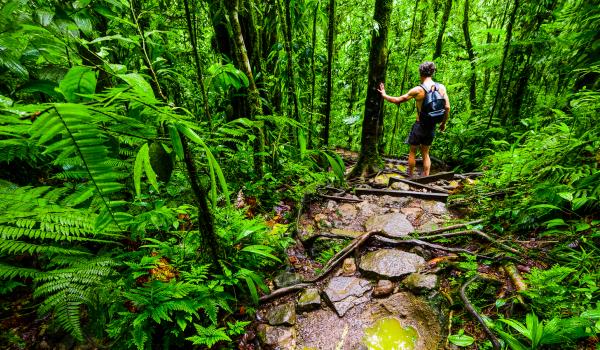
(156,158)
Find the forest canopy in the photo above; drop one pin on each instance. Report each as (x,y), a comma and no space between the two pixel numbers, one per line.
(155,155)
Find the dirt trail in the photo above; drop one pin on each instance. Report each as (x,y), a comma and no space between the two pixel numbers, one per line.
(385,294)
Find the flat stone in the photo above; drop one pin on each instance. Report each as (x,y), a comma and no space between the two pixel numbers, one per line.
(284,314)
(390,263)
(331,205)
(309,299)
(401,186)
(346,292)
(418,282)
(348,211)
(434,207)
(286,279)
(282,338)
(383,288)
(394,224)
(345,233)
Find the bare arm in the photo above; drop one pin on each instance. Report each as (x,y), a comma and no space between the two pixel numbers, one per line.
(443,123)
(412,93)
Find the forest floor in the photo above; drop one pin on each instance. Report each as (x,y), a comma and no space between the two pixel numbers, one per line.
(365,273)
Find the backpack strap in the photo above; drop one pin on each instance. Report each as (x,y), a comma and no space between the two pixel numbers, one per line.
(423,87)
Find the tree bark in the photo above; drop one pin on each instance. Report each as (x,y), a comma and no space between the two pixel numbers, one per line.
(199,72)
(471,53)
(369,158)
(253,93)
(329,87)
(440,37)
(509,29)
(286,26)
(313,75)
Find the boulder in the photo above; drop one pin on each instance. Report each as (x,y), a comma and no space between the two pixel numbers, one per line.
(401,186)
(346,292)
(394,224)
(434,207)
(284,314)
(390,263)
(309,299)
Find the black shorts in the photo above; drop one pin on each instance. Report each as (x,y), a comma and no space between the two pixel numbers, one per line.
(421,134)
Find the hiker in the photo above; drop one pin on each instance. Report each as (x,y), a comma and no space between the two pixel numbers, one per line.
(436,110)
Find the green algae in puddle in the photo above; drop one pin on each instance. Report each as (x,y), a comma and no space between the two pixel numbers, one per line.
(388,334)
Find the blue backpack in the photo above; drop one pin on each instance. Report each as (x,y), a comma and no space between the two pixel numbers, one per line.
(433,108)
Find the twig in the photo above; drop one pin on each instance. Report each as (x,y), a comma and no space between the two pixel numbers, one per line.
(475,314)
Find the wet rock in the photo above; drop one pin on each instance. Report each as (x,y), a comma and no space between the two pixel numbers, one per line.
(390,263)
(307,232)
(346,292)
(331,205)
(434,207)
(418,282)
(280,338)
(349,267)
(383,288)
(309,299)
(284,314)
(382,180)
(286,279)
(401,186)
(394,224)
(347,211)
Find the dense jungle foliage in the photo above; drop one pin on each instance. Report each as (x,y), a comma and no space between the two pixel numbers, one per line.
(153,154)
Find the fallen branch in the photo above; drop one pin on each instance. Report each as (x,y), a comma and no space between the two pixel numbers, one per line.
(416,184)
(463,295)
(423,195)
(434,177)
(516,279)
(449,228)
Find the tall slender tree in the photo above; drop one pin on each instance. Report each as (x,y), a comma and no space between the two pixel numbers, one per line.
(253,93)
(440,37)
(286,27)
(369,158)
(329,84)
(509,30)
(199,70)
(471,53)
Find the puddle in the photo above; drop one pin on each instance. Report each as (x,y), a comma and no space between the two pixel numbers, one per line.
(388,334)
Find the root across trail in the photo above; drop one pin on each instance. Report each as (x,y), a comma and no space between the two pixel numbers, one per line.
(387,216)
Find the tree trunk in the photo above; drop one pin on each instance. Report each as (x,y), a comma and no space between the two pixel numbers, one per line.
(329,87)
(486,74)
(504,57)
(471,53)
(313,76)
(286,28)
(369,159)
(253,93)
(439,41)
(199,73)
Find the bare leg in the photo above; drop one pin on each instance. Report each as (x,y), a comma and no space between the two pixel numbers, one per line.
(426,160)
(411,160)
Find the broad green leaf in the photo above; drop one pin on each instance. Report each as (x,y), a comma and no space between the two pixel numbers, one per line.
(176,141)
(78,81)
(139,85)
(260,250)
(461,339)
(137,169)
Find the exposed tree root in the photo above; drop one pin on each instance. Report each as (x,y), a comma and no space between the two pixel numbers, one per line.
(341,199)
(476,315)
